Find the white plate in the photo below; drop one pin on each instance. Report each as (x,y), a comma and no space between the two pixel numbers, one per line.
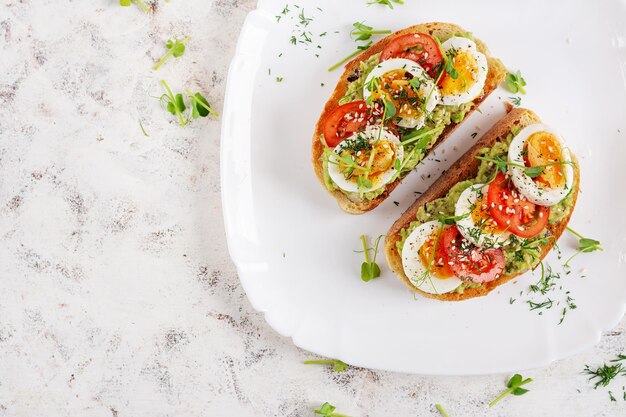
(293,246)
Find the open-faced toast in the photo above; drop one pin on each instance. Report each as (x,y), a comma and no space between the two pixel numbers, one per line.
(357,203)
(465,168)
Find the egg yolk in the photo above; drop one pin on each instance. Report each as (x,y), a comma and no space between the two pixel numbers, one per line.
(382,156)
(395,87)
(467,70)
(482,219)
(438,268)
(543,148)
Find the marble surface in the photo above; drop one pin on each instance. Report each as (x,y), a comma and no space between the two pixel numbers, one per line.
(118,294)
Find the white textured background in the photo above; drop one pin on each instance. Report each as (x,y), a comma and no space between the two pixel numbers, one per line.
(118,297)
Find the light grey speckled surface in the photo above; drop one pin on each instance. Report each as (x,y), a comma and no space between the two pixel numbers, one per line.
(118,294)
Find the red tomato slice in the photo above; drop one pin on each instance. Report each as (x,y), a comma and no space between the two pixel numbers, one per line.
(344,121)
(418,47)
(513,212)
(468,262)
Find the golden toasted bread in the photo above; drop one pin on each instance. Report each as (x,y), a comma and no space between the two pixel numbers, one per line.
(464,168)
(495,75)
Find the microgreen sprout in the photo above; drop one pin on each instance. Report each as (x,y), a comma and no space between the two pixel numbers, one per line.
(326,410)
(175,104)
(585,245)
(441,410)
(369,268)
(532,172)
(363,32)
(388,3)
(140,3)
(515,82)
(359,49)
(513,387)
(338,366)
(176,49)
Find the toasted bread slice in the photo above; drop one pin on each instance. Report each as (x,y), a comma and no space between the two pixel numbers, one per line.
(495,75)
(464,168)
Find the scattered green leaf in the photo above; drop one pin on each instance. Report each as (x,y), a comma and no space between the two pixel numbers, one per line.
(442,411)
(369,268)
(513,387)
(140,3)
(338,366)
(388,3)
(585,245)
(326,410)
(515,82)
(363,32)
(176,49)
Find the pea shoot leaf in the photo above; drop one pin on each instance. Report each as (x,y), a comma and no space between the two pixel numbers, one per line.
(515,82)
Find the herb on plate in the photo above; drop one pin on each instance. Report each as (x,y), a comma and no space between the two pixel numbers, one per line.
(327,410)
(369,268)
(585,245)
(338,366)
(362,32)
(388,3)
(176,49)
(515,82)
(517,101)
(127,3)
(514,386)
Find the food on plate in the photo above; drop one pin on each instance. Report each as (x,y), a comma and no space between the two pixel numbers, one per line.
(492,216)
(393,104)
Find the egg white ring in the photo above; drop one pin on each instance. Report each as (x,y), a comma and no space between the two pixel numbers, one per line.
(525,184)
(413,267)
(426,89)
(371,132)
(461,43)
(466,225)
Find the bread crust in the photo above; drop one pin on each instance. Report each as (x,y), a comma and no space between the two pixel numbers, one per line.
(495,75)
(467,167)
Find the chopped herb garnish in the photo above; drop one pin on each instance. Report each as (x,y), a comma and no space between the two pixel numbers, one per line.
(338,366)
(515,82)
(514,387)
(604,374)
(279,79)
(517,101)
(532,172)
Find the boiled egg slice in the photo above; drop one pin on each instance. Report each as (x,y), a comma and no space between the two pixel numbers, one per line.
(540,146)
(407,86)
(375,148)
(417,252)
(475,223)
(471,69)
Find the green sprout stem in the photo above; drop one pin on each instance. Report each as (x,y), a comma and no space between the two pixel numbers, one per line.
(172,99)
(169,53)
(442,411)
(509,391)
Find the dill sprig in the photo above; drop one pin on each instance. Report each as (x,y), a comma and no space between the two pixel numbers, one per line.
(604,374)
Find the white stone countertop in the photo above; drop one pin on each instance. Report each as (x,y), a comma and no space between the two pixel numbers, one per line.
(118,294)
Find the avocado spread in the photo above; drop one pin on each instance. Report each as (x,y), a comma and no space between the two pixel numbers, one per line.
(439,118)
(520,255)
